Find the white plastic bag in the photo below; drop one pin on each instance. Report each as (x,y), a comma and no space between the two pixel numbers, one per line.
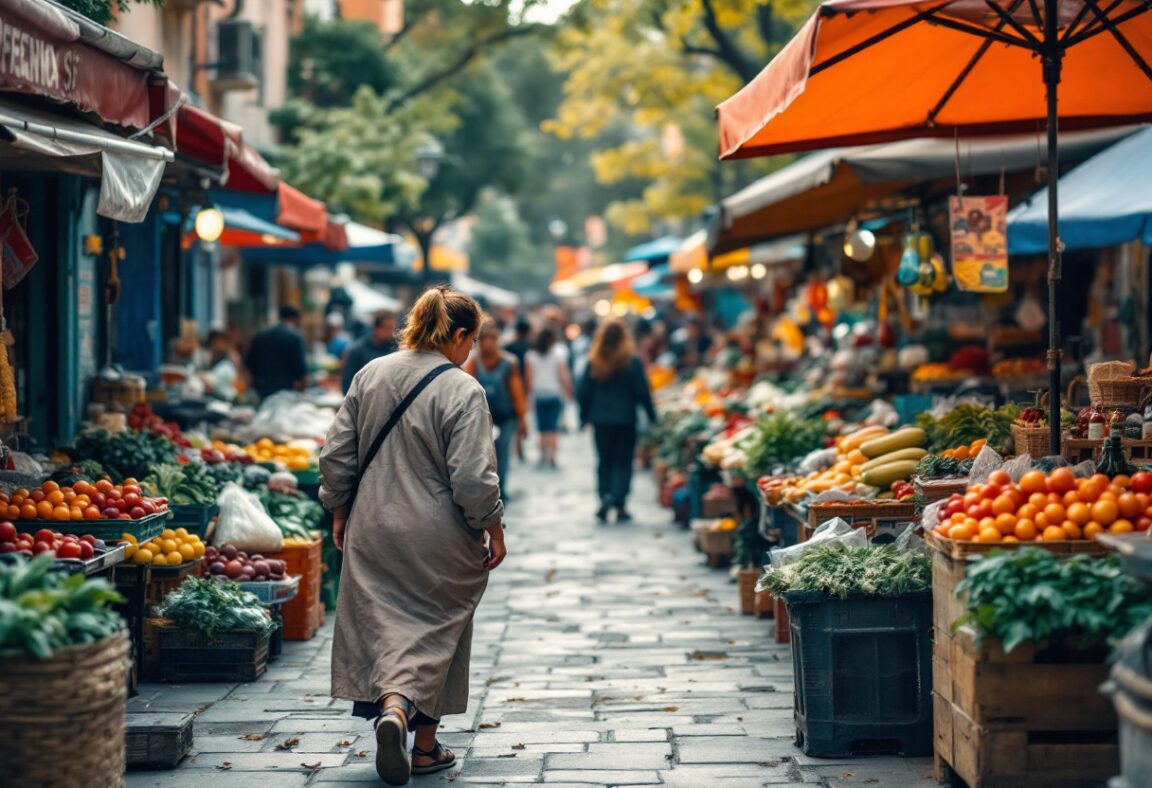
(834,530)
(244,522)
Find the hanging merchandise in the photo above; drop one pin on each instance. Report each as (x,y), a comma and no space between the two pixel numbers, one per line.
(19,255)
(8,414)
(908,273)
(979,243)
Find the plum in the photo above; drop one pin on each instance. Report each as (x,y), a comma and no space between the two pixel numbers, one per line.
(217,568)
(229,551)
(262,567)
(234,569)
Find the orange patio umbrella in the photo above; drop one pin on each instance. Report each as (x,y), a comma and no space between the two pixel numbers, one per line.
(866,71)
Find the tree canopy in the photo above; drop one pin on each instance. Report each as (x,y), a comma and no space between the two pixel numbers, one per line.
(658,68)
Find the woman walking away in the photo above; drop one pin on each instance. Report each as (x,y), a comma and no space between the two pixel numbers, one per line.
(551,384)
(408,471)
(610,392)
(499,374)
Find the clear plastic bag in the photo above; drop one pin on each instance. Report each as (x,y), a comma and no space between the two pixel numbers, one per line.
(832,531)
(244,522)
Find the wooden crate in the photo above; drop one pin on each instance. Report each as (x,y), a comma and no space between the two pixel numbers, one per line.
(783,624)
(872,516)
(764,605)
(1077,450)
(157,740)
(746,582)
(717,545)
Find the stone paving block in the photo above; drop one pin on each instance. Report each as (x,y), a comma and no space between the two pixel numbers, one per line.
(728,777)
(260,761)
(612,756)
(487,751)
(602,777)
(519,769)
(342,724)
(639,734)
(731,749)
(558,735)
(212,744)
(321,743)
(195,778)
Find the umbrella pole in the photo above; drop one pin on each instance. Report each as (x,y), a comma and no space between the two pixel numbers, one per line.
(1052,57)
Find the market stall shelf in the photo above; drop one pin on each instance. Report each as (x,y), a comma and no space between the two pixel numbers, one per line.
(143,529)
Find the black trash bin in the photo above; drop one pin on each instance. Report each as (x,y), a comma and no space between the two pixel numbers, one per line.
(863,672)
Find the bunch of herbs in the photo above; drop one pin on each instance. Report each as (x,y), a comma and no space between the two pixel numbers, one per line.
(781,439)
(210,606)
(841,572)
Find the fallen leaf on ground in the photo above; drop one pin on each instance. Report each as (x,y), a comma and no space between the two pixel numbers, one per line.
(671,709)
(224,766)
(312,767)
(488,725)
(702,656)
(252,737)
(516,700)
(508,755)
(287,744)
(343,744)
(362,754)
(548,578)
(519,746)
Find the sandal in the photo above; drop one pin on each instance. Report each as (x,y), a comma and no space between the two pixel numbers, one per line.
(443,758)
(393,763)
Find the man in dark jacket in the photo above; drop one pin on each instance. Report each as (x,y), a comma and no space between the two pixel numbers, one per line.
(277,358)
(380,342)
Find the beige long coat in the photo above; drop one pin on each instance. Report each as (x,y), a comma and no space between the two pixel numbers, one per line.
(414,547)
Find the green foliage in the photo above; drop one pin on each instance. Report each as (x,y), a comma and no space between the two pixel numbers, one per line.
(968,422)
(209,606)
(295,514)
(782,438)
(1031,595)
(935,466)
(841,572)
(102,11)
(748,546)
(42,611)
(125,454)
(183,485)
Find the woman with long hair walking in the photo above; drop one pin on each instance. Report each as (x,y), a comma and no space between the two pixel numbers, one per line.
(408,471)
(551,384)
(613,389)
(499,374)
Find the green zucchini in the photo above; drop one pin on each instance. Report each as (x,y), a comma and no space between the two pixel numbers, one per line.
(907,438)
(893,456)
(884,475)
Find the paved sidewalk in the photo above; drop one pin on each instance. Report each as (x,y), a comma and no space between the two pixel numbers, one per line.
(604,655)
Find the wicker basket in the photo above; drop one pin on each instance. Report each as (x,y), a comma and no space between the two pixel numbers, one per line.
(1031,440)
(63,718)
(1111,385)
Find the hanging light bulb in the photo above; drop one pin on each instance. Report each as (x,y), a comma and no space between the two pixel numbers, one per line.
(209,224)
(738,273)
(759,271)
(696,276)
(603,308)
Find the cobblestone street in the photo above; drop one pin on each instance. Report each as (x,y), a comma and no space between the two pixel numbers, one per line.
(604,655)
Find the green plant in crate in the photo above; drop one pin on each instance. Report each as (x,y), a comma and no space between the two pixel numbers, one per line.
(211,606)
(125,454)
(42,611)
(1030,594)
(183,485)
(841,572)
(296,514)
(781,438)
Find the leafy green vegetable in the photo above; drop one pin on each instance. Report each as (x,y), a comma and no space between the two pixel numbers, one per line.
(1031,595)
(840,571)
(42,611)
(935,466)
(748,545)
(210,606)
(968,422)
(782,438)
(127,453)
(183,485)
(296,514)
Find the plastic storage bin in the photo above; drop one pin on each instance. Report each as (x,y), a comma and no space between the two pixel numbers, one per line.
(863,669)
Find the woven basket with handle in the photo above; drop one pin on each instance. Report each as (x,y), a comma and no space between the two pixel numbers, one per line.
(1031,440)
(1111,385)
(62,719)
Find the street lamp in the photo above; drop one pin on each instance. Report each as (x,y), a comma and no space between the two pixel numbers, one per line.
(428,158)
(209,223)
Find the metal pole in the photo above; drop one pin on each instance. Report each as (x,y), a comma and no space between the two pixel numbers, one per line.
(1052,57)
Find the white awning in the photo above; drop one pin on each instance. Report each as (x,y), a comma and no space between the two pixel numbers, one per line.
(129,172)
(367,300)
(495,296)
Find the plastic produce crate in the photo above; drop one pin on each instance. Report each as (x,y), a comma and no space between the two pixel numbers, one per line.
(109,530)
(863,673)
(303,614)
(234,655)
(193,518)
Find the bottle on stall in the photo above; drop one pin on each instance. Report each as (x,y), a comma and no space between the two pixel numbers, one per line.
(1097,424)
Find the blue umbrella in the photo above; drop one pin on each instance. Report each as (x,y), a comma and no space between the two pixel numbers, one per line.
(1106,201)
(653,251)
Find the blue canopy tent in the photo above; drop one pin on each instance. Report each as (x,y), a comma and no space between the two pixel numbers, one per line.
(657,283)
(1106,201)
(238,220)
(653,251)
(365,245)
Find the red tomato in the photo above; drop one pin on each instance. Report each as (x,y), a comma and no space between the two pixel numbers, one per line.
(136,512)
(971,499)
(1000,477)
(7,532)
(130,489)
(132,499)
(41,547)
(1141,482)
(1143,523)
(87,550)
(990,491)
(69,550)
(148,507)
(111,513)
(113,495)
(45,535)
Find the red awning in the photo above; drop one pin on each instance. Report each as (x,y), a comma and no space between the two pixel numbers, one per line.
(202,136)
(300,212)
